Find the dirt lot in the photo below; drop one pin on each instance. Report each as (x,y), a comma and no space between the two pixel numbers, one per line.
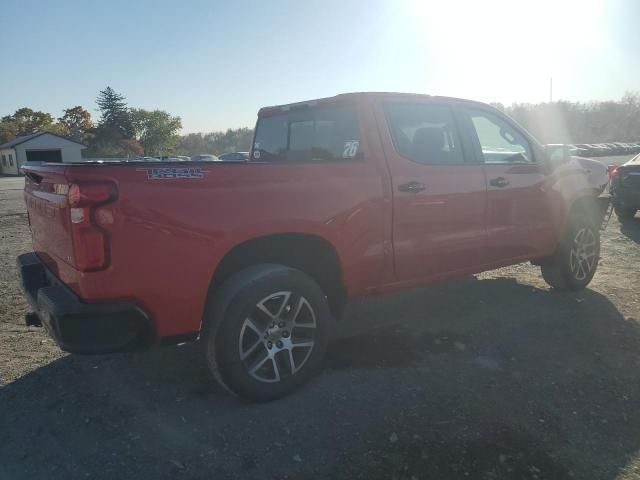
(494,376)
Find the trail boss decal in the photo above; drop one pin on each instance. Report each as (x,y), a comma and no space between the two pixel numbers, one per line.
(160,173)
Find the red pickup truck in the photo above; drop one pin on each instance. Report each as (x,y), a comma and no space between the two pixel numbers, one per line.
(351,196)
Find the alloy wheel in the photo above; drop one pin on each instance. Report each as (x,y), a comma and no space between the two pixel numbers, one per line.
(583,255)
(277,337)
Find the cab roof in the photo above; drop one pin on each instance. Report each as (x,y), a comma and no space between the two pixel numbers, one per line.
(360,96)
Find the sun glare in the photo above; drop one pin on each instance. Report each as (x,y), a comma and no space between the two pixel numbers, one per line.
(508,47)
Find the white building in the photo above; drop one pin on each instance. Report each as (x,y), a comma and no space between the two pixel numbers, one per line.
(39,147)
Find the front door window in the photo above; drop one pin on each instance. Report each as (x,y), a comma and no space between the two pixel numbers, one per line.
(499,141)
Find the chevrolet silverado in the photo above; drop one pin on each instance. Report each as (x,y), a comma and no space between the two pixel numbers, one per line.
(341,198)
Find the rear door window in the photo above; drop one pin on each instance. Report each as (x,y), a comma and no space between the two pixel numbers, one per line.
(425,133)
(309,134)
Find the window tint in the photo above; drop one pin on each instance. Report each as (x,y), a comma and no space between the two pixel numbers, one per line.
(424,133)
(4,160)
(11,159)
(500,142)
(311,134)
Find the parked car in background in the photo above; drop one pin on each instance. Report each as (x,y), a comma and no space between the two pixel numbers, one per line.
(626,148)
(634,147)
(578,151)
(603,149)
(204,157)
(343,198)
(170,158)
(584,150)
(234,157)
(594,149)
(625,188)
(616,148)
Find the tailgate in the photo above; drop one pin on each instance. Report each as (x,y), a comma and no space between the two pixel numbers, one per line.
(45,194)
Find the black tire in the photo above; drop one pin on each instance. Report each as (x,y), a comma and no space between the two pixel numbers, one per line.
(255,293)
(567,269)
(625,213)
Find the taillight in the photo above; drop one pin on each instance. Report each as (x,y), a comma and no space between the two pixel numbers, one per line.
(90,194)
(613,170)
(89,240)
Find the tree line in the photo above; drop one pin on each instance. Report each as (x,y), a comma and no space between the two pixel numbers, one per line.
(576,122)
(123,131)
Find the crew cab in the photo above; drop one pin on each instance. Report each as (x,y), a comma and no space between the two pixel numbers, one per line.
(347,197)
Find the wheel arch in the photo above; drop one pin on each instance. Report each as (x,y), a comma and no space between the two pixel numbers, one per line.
(586,203)
(309,253)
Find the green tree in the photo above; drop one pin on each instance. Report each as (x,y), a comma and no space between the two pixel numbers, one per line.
(232,140)
(108,142)
(593,122)
(114,130)
(25,121)
(7,131)
(76,123)
(114,112)
(192,144)
(156,130)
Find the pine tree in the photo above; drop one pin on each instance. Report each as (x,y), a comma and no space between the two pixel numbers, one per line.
(114,112)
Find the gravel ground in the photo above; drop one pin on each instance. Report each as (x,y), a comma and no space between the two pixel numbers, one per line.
(490,377)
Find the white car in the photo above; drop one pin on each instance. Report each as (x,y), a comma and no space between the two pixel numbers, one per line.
(234,157)
(204,157)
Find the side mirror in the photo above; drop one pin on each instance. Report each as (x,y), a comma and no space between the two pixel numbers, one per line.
(557,152)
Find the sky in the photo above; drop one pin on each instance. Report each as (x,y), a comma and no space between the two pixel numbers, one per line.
(215,63)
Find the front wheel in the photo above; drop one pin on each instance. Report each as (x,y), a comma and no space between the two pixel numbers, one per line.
(574,264)
(272,331)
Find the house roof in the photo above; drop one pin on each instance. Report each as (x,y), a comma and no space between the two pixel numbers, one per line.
(26,138)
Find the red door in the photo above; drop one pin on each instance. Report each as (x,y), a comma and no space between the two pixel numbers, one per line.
(518,207)
(439,199)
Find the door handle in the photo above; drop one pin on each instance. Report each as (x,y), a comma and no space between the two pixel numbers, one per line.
(411,187)
(499,182)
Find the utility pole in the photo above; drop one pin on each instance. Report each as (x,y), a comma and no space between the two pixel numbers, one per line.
(550,89)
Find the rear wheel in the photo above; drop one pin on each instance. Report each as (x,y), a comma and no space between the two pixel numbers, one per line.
(272,331)
(574,264)
(625,213)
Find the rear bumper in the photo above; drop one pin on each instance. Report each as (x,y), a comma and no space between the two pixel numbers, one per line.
(79,327)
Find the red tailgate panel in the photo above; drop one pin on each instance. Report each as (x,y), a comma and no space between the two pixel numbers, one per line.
(45,194)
